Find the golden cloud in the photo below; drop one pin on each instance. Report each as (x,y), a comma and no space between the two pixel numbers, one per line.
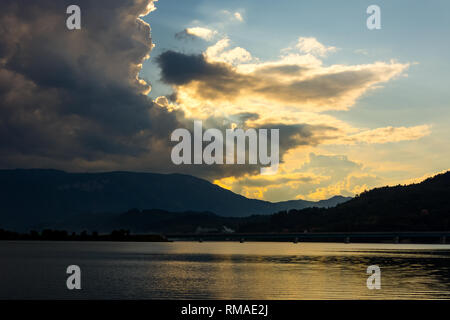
(293,82)
(385,135)
(225,82)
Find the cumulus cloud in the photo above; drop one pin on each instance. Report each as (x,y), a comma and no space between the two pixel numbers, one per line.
(330,165)
(340,176)
(71,97)
(291,136)
(219,52)
(284,186)
(313,46)
(290,94)
(73,100)
(197,32)
(299,81)
(321,176)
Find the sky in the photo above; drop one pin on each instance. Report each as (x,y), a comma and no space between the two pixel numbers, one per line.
(396,126)
(356,108)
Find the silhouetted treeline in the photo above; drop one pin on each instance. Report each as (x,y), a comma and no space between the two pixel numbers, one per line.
(39,198)
(61,235)
(417,207)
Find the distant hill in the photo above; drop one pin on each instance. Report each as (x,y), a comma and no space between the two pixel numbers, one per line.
(417,207)
(37,197)
(297,204)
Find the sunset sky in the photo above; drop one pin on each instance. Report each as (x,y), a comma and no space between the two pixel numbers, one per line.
(384,94)
(356,108)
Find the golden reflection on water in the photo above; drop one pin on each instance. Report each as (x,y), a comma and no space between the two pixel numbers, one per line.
(224,270)
(227,270)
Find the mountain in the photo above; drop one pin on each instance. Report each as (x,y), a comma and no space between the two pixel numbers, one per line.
(418,207)
(300,204)
(423,206)
(36,197)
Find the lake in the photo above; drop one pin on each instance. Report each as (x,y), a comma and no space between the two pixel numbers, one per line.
(223,270)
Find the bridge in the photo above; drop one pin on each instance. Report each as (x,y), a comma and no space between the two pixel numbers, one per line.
(347,237)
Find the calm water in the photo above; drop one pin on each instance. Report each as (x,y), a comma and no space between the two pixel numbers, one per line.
(223,270)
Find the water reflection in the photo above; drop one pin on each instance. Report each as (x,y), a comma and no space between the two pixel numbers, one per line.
(224,270)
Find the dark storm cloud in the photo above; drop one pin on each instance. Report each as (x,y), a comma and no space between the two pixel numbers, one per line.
(294,135)
(179,68)
(72,99)
(290,137)
(69,95)
(282,69)
(220,79)
(336,87)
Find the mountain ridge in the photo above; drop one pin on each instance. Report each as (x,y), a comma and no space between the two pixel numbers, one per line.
(418,207)
(34,196)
